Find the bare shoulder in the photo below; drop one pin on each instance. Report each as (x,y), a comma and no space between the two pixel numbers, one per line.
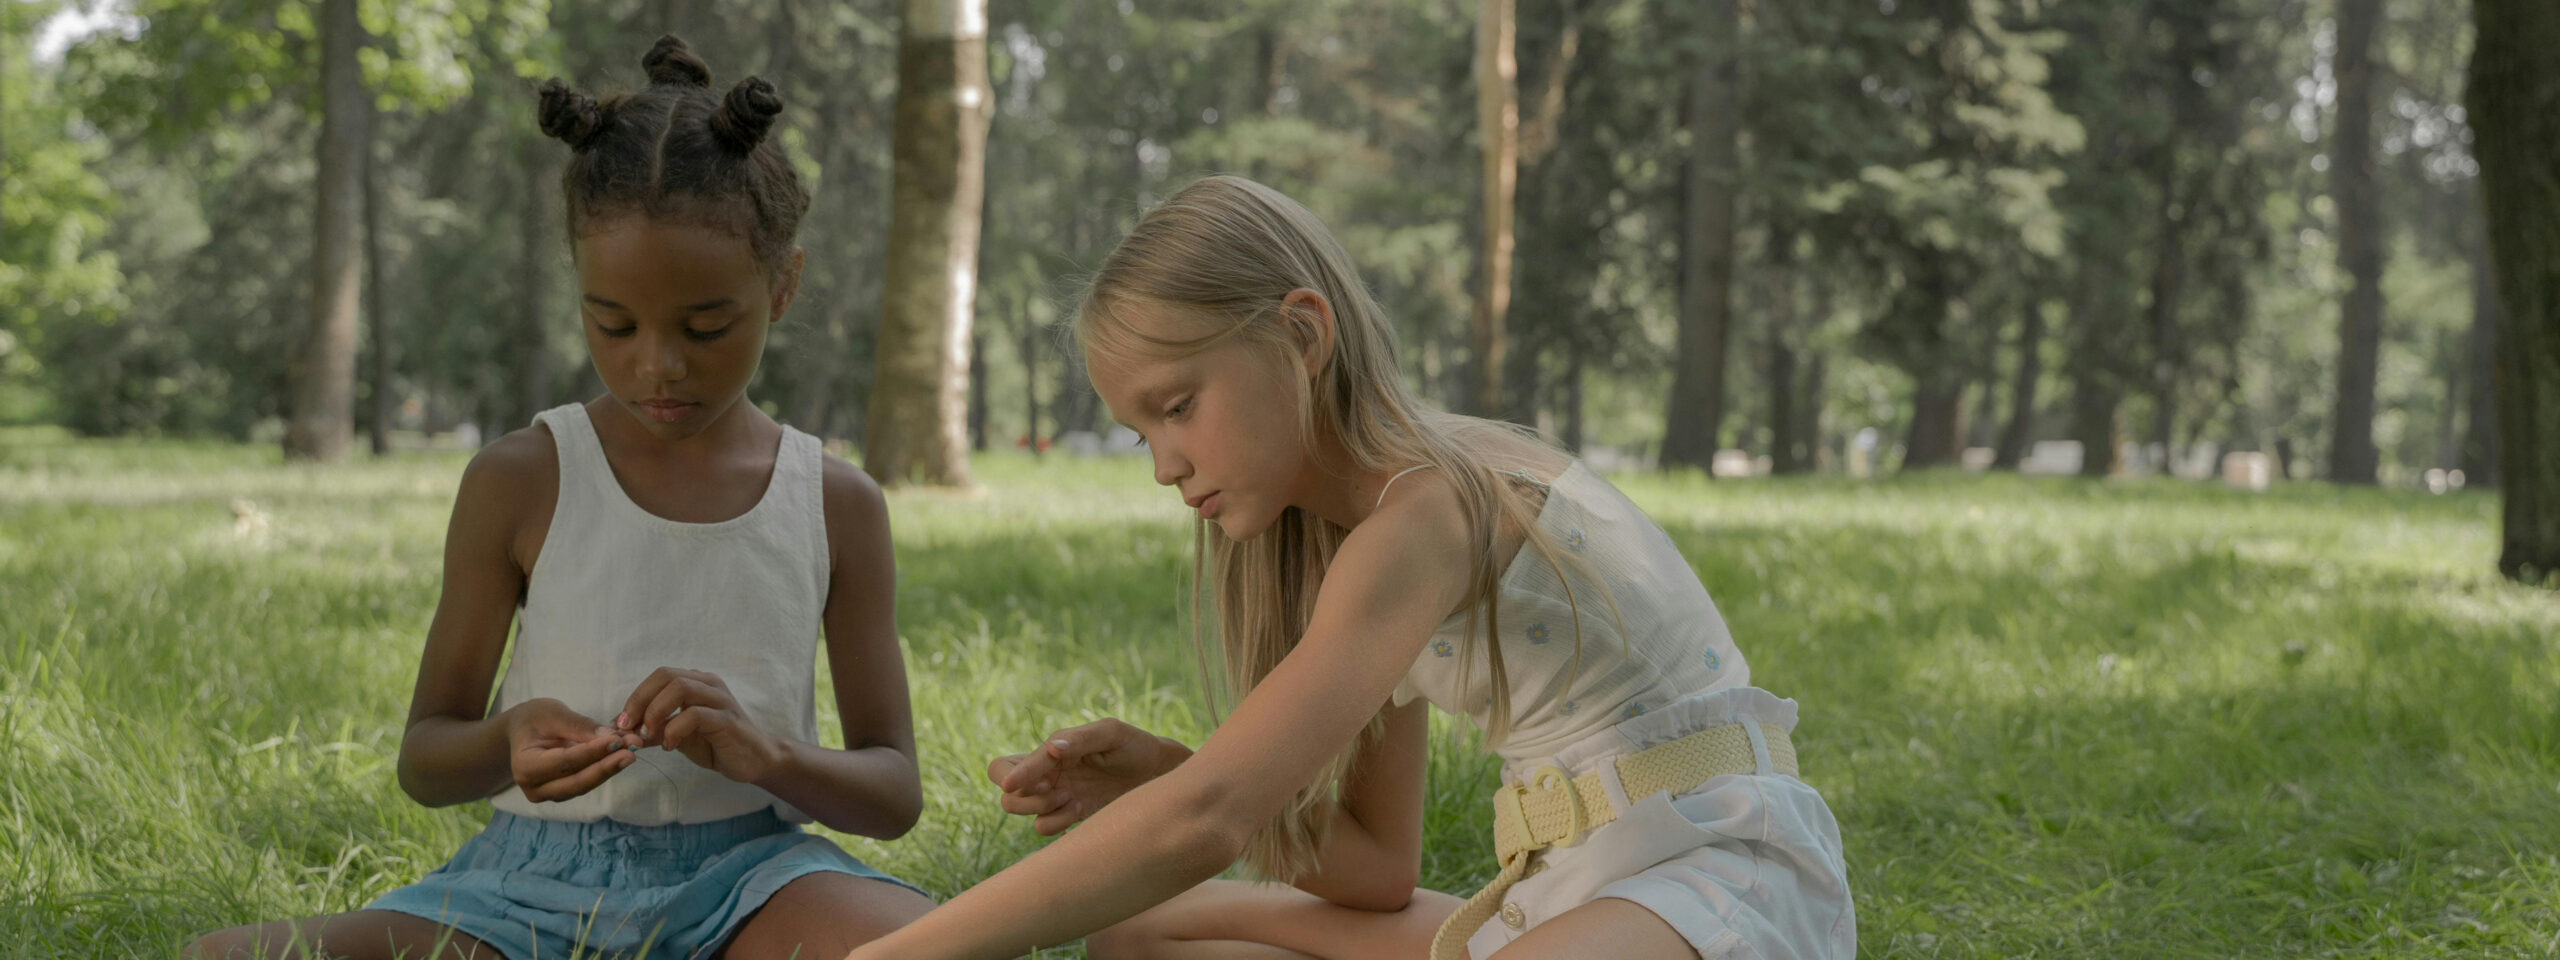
(856,510)
(507,493)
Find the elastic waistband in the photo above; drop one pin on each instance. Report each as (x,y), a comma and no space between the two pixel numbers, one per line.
(669,840)
(1672,721)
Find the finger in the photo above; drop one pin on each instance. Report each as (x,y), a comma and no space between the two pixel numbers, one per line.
(1032,804)
(685,728)
(653,716)
(1000,768)
(556,762)
(642,695)
(581,781)
(1035,766)
(1051,823)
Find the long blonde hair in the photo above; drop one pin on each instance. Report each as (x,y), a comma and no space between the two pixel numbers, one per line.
(1218,257)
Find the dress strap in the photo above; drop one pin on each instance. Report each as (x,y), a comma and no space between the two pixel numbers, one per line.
(1391,484)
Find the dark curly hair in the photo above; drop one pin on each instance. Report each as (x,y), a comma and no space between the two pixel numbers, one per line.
(676,151)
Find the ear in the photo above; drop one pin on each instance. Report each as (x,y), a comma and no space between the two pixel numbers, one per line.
(1310,321)
(787,284)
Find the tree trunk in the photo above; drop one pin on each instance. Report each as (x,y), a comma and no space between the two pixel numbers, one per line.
(1030,347)
(375,295)
(1498,124)
(2514,101)
(1786,449)
(918,399)
(1808,411)
(2352,457)
(2022,392)
(1691,424)
(2478,459)
(2093,423)
(977,394)
(1937,420)
(323,371)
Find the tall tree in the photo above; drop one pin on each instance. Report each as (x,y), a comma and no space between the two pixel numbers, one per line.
(1498,123)
(917,428)
(2514,98)
(321,425)
(2352,183)
(376,297)
(1695,414)
(2012,447)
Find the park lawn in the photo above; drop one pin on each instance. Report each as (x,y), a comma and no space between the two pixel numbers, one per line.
(2055,717)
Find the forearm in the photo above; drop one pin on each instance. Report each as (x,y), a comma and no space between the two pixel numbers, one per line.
(872,791)
(1151,845)
(448,760)
(1358,868)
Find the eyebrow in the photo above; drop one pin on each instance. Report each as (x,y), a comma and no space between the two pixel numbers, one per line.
(1152,399)
(689,308)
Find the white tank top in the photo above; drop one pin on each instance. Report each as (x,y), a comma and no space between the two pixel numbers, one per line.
(1674,646)
(618,592)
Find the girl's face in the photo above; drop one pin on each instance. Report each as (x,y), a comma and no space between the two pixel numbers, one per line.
(676,317)
(1222,426)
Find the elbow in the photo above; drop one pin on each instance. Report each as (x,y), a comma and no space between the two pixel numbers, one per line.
(1196,830)
(900,819)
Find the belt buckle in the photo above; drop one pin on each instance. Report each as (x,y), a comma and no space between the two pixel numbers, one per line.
(1580,826)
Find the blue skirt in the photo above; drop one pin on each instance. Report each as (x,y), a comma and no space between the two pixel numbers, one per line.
(544,888)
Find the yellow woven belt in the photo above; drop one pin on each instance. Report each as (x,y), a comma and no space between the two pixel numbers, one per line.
(1553,811)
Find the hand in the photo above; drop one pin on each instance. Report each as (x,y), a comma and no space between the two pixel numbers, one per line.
(557,753)
(693,713)
(1079,770)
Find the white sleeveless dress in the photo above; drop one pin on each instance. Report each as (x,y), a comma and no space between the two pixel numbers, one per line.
(1743,866)
(618,592)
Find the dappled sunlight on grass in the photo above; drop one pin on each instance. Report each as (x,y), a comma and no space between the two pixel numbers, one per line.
(2055,717)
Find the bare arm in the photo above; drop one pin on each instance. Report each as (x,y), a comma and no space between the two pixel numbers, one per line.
(1372,856)
(1388,587)
(453,750)
(871,787)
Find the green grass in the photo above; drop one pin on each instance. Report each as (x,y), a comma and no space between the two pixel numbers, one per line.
(2056,718)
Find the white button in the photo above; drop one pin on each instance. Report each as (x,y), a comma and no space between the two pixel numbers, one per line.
(1512,917)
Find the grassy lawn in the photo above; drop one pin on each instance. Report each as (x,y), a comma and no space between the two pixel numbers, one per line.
(2056,718)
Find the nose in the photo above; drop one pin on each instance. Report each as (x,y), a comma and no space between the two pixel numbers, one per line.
(1170,468)
(661,357)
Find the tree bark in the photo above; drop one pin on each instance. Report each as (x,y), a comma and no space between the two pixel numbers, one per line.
(2514,102)
(1937,420)
(1030,347)
(1692,423)
(377,311)
(977,394)
(2022,392)
(917,428)
(2352,457)
(322,374)
(1498,123)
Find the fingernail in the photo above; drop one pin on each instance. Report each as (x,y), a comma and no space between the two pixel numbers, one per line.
(622,719)
(1060,744)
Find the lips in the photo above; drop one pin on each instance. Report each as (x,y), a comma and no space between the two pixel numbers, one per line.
(667,411)
(1195,502)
